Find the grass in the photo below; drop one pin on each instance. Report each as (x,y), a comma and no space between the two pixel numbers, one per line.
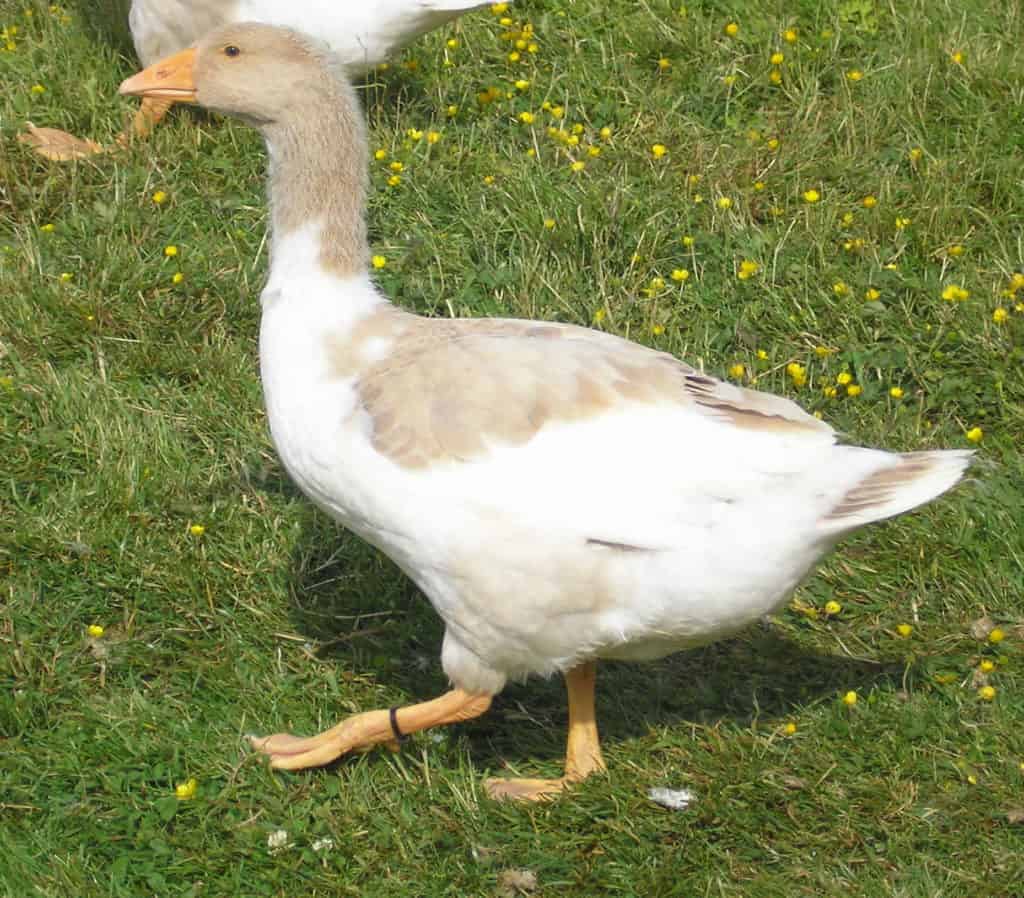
(132,411)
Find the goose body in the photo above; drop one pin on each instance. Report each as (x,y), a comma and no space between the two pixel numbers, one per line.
(559,494)
(361,34)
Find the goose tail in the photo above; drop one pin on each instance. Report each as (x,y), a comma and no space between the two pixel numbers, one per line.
(902,482)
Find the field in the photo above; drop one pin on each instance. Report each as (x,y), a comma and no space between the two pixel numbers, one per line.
(828,202)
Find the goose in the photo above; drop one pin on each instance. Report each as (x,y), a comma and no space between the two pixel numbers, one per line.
(561,496)
(362,33)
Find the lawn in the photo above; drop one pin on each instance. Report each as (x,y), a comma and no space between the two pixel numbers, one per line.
(842,222)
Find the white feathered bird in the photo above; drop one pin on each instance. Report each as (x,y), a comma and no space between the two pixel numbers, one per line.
(559,494)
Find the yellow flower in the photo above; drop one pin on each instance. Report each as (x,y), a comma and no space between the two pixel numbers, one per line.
(578,166)
(514,56)
(606,133)
(854,390)
(599,316)
(1000,315)
(737,371)
(759,186)
(37,89)
(729,80)
(66,277)
(853,246)
(522,84)
(414,134)
(177,278)
(197,529)
(379,261)
(664,63)
(871,294)
(159,197)
(187,790)
(526,118)
(452,43)
(498,8)
(488,180)
(986,666)
(762,355)
(869,202)
(958,56)
(396,166)
(975,435)
(776,58)
(680,274)
(658,329)
(854,75)
(394,180)
(904,630)
(789,729)
(748,268)
(732,29)
(848,218)
(775,76)
(594,151)
(996,636)
(915,154)
(798,373)
(811,196)
(724,203)
(95,631)
(773,143)
(901,222)
(1016,281)
(433,136)
(658,150)
(452,111)
(549,223)
(987,693)
(557,112)
(843,378)
(833,607)
(896,392)
(956,250)
(170,251)
(830,392)
(686,240)
(955,293)
(789,35)
(840,288)
(850,699)
(48,228)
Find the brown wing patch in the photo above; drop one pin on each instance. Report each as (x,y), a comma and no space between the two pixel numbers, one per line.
(451,389)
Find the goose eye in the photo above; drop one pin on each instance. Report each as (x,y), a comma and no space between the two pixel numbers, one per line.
(231,50)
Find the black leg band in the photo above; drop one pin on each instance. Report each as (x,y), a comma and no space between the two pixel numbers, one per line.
(393,718)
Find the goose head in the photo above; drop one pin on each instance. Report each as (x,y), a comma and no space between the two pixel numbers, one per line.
(261,74)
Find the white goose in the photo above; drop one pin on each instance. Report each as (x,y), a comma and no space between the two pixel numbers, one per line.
(487,457)
(361,33)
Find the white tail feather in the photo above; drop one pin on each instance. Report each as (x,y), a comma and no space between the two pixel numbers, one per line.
(908,480)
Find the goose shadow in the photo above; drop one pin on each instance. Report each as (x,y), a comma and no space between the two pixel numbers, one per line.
(362,612)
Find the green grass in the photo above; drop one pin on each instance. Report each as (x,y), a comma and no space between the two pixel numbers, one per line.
(131,410)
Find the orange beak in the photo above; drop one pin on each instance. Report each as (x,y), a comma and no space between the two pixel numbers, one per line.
(169,79)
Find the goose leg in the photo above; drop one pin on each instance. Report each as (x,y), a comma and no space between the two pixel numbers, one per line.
(59,146)
(583,751)
(363,731)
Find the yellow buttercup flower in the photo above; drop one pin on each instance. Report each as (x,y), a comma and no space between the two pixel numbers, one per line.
(680,275)
(187,790)
(737,371)
(776,58)
(869,202)
(526,118)
(854,390)
(987,693)
(379,261)
(955,293)
(578,166)
(896,392)
(996,636)
(159,197)
(850,699)
(658,150)
(975,435)
(789,729)
(854,75)
(840,288)
(871,294)
(999,315)
(811,196)
(95,631)
(904,630)
(748,268)
(170,251)
(790,35)
(775,76)
(833,607)
(664,64)
(986,666)
(724,203)
(732,29)
(177,278)
(843,378)
(197,529)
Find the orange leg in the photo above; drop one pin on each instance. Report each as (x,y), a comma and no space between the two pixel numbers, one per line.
(583,751)
(363,731)
(59,146)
